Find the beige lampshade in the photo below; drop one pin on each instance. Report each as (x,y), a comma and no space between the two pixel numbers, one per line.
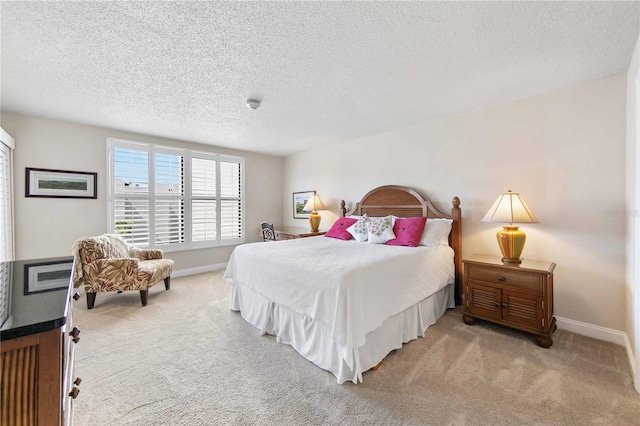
(510,208)
(314,203)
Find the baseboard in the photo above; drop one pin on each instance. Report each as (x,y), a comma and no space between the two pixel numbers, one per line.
(198,270)
(630,357)
(595,331)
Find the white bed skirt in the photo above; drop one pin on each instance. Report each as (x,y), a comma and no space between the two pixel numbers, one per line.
(312,339)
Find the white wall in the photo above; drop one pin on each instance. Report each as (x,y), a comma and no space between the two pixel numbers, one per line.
(632,287)
(564,151)
(46,227)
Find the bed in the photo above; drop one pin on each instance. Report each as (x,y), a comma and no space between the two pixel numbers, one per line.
(344,305)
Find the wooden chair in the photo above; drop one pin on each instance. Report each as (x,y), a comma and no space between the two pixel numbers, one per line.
(268,234)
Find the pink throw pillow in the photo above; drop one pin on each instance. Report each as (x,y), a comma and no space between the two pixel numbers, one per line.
(408,231)
(339,228)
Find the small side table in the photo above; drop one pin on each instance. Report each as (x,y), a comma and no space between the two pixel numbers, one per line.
(519,296)
(289,233)
(292,232)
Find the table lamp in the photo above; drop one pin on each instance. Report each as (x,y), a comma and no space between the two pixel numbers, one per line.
(313,205)
(510,208)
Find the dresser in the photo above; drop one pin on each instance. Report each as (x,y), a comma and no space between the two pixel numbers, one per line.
(37,342)
(515,295)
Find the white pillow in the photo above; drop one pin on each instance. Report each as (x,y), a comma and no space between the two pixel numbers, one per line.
(436,232)
(355,216)
(359,229)
(381,230)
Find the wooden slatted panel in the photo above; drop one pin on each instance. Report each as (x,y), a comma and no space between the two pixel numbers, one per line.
(19,386)
(523,308)
(483,300)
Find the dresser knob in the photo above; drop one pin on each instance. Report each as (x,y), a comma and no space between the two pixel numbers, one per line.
(74,392)
(75,333)
(77,381)
(76,296)
(501,278)
(504,305)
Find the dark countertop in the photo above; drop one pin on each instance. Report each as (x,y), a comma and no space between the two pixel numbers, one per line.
(34,295)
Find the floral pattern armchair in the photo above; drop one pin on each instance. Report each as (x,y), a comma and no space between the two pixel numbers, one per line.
(108,263)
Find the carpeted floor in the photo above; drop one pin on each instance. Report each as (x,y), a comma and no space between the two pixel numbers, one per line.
(186,359)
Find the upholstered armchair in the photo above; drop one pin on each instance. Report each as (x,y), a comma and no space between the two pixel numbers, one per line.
(108,263)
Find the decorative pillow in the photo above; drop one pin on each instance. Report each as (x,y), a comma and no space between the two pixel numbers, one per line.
(359,229)
(339,228)
(408,231)
(436,232)
(381,230)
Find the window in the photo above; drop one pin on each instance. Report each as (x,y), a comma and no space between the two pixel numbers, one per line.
(6,197)
(173,198)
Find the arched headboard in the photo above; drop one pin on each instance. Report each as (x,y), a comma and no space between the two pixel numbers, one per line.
(405,202)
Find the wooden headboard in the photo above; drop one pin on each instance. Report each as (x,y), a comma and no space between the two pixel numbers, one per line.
(405,202)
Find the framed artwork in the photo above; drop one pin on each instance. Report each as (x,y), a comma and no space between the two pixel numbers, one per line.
(299,200)
(60,184)
(47,276)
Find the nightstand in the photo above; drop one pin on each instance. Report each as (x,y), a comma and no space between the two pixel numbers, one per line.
(289,233)
(515,295)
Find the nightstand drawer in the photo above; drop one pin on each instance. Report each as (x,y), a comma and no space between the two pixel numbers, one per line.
(517,279)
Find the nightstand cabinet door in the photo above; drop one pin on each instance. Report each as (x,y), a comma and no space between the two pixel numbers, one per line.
(522,308)
(484,300)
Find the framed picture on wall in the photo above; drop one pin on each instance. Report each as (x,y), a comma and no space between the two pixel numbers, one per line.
(299,200)
(50,183)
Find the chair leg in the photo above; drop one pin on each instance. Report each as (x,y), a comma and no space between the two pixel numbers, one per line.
(167,283)
(144,294)
(91,300)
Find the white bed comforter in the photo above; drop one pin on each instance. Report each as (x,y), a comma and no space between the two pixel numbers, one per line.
(349,286)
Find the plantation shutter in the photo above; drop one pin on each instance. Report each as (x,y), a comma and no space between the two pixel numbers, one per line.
(173,198)
(131,195)
(204,203)
(169,199)
(230,200)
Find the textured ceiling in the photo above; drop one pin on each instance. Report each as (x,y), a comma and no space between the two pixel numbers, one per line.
(326,72)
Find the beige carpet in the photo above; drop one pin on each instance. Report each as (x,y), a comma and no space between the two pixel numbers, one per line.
(186,359)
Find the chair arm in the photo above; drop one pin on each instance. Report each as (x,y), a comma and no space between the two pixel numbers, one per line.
(111,274)
(145,254)
(120,268)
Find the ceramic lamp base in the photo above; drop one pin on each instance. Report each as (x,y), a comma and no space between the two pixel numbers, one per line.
(511,241)
(314,221)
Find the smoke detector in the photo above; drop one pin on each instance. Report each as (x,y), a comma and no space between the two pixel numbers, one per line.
(253,103)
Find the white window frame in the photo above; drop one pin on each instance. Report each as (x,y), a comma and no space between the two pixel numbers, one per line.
(9,234)
(187,154)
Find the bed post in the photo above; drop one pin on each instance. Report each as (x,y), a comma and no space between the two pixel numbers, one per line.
(343,209)
(456,244)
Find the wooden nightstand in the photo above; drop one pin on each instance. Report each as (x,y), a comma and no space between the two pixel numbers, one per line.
(289,233)
(515,295)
